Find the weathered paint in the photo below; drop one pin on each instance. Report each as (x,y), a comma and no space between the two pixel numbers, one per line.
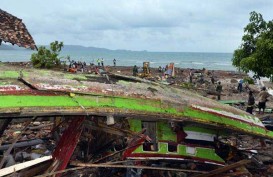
(201,133)
(244,117)
(122,104)
(86,101)
(183,151)
(9,74)
(135,125)
(200,129)
(126,98)
(206,117)
(164,132)
(76,76)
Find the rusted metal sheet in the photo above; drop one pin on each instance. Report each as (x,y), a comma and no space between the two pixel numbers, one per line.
(67,144)
(13,30)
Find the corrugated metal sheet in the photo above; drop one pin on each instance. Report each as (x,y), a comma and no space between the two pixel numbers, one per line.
(14,31)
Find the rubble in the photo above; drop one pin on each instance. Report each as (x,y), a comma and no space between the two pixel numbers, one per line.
(126,125)
(13,30)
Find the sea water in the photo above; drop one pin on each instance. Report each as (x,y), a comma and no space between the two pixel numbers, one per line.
(198,60)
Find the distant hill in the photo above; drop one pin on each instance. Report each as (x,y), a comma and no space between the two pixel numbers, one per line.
(11,47)
(6,47)
(79,47)
(92,49)
(66,48)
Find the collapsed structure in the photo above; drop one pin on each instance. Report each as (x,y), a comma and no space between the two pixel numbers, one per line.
(14,31)
(116,125)
(126,124)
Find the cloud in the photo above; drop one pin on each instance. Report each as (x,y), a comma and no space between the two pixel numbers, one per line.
(157,25)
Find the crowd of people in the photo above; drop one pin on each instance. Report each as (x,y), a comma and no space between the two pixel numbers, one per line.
(261,98)
(79,66)
(243,86)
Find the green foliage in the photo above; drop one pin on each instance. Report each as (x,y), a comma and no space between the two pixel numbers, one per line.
(47,58)
(248,80)
(256,51)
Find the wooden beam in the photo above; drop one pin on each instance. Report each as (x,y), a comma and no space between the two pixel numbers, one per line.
(40,126)
(61,171)
(18,167)
(34,170)
(106,130)
(131,166)
(225,168)
(114,153)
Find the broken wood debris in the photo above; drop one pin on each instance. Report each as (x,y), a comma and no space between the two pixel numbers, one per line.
(14,142)
(225,168)
(131,166)
(153,128)
(21,166)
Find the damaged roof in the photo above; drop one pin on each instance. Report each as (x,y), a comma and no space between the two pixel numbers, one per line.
(14,31)
(47,92)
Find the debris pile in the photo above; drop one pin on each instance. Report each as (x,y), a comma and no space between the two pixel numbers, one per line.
(62,124)
(13,30)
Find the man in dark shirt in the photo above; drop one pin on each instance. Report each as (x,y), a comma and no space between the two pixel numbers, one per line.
(114,61)
(262,98)
(219,90)
(250,102)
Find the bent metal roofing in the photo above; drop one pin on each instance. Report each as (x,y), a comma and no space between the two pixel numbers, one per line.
(14,31)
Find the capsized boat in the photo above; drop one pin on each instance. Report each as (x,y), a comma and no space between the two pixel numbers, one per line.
(180,124)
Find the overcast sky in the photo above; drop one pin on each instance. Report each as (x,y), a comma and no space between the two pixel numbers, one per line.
(153,25)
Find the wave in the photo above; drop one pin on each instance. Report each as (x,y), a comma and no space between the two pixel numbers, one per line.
(223,64)
(197,63)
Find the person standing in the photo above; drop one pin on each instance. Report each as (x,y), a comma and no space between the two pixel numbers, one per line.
(240,85)
(262,98)
(102,64)
(114,61)
(212,80)
(98,61)
(212,77)
(190,76)
(219,90)
(135,71)
(250,102)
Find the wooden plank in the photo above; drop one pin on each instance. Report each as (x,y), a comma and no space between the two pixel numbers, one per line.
(18,167)
(151,132)
(59,172)
(106,130)
(225,168)
(40,126)
(131,166)
(34,170)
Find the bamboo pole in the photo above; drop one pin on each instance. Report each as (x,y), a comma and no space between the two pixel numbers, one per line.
(61,171)
(79,164)
(225,168)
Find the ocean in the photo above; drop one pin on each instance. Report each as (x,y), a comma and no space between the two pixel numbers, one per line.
(197,60)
